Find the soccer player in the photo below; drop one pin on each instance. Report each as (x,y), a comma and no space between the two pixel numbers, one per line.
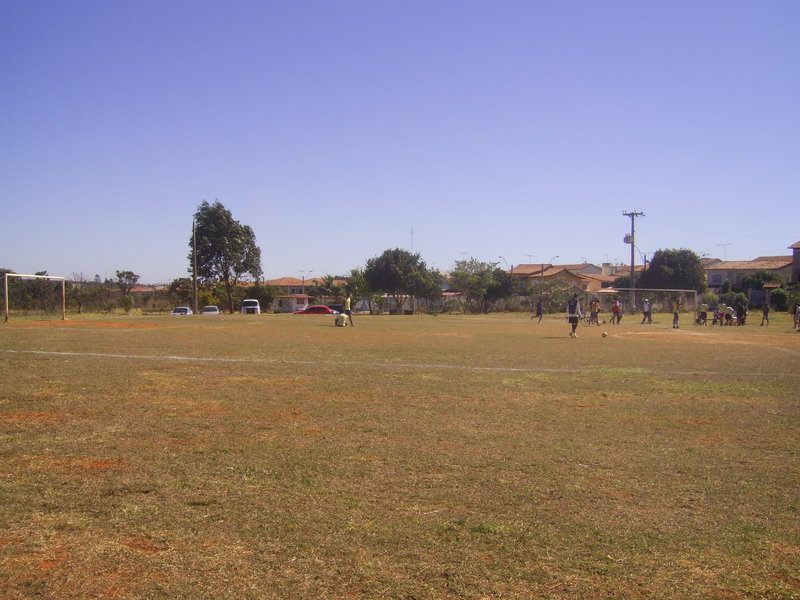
(574,313)
(676,306)
(648,312)
(539,312)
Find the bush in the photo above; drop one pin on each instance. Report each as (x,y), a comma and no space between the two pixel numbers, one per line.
(709,298)
(779,299)
(731,298)
(127,302)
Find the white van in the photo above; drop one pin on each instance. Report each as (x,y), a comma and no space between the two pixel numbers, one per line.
(251,307)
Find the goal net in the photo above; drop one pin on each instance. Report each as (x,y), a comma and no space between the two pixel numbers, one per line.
(661,300)
(39,295)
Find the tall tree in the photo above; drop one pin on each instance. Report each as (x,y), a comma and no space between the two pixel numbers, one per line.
(126,281)
(502,287)
(674,269)
(226,249)
(397,273)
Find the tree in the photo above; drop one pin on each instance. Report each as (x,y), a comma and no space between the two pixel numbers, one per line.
(502,287)
(430,289)
(554,294)
(79,290)
(43,293)
(472,278)
(126,280)
(483,283)
(674,269)
(357,286)
(181,290)
(226,249)
(265,294)
(397,273)
(327,286)
(624,282)
(757,280)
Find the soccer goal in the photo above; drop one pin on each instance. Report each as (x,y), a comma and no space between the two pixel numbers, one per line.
(632,300)
(63,287)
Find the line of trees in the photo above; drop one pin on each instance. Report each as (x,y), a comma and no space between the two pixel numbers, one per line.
(43,296)
(226,254)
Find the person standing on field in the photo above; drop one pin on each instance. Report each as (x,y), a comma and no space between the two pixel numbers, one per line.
(648,312)
(574,313)
(741,314)
(703,316)
(347,310)
(676,306)
(594,312)
(765,314)
(616,312)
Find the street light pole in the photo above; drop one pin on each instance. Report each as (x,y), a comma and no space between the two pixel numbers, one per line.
(541,287)
(304,273)
(633,215)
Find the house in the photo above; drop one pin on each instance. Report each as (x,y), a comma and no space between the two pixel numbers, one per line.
(737,270)
(291,285)
(795,248)
(615,271)
(582,269)
(530,276)
(593,282)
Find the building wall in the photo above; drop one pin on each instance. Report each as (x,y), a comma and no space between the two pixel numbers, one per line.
(795,265)
(716,277)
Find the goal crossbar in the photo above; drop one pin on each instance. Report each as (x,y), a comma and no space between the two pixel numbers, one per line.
(24,276)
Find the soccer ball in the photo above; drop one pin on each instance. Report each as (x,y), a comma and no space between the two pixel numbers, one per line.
(605,334)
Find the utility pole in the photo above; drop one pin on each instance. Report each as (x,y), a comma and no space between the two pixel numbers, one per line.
(632,241)
(194,265)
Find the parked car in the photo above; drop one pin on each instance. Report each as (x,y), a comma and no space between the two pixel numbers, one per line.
(180,311)
(251,307)
(336,307)
(210,310)
(317,309)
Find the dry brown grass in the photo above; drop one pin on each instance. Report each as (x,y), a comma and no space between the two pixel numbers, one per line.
(407,457)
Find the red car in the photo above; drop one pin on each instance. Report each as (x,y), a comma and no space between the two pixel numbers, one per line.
(317,309)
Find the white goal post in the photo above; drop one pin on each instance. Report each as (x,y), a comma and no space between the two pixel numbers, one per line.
(661,300)
(23,276)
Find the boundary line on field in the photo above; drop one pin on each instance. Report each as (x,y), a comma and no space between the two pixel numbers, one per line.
(276,361)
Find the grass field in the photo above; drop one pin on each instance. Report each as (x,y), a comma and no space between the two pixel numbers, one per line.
(279,457)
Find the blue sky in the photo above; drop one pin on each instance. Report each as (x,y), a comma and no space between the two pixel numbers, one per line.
(334,129)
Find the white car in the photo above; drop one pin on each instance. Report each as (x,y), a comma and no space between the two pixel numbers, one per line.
(180,311)
(210,310)
(251,307)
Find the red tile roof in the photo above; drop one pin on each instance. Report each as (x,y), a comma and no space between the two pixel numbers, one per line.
(766,263)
